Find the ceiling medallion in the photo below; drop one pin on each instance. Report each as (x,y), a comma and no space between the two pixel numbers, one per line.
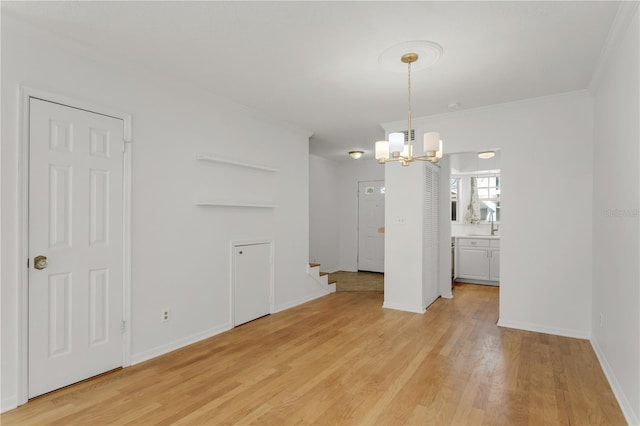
(428,52)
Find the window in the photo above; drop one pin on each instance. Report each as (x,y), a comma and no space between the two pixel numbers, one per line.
(486,185)
(489,195)
(455,190)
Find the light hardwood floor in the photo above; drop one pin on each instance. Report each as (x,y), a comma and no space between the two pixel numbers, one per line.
(357,281)
(342,359)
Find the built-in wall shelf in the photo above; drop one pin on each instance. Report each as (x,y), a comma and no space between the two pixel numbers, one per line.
(208,157)
(225,204)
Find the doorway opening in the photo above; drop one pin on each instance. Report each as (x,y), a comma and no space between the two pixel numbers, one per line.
(475,205)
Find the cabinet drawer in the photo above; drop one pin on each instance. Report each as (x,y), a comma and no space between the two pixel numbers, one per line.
(495,243)
(473,242)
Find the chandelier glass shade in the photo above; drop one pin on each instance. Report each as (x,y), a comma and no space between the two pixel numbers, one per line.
(395,149)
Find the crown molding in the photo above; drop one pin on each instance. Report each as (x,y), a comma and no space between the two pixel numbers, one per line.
(393,125)
(626,12)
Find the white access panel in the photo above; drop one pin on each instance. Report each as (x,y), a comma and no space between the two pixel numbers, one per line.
(251,282)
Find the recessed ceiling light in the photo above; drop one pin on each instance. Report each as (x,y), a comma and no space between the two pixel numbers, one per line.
(454,105)
(355,154)
(486,154)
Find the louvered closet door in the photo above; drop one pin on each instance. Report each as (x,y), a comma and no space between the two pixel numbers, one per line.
(75,221)
(430,261)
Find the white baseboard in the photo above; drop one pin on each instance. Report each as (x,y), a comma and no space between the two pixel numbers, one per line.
(479,282)
(407,308)
(180,343)
(9,403)
(577,334)
(630,416)
(301,300)
(177,344)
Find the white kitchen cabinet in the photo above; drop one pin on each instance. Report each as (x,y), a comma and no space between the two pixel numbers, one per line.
(472,263)
(478,258)
(494,265)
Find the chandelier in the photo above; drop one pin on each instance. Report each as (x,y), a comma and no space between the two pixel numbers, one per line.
(395,150)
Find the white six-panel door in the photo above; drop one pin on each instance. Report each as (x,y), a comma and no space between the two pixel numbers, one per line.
(371,226)
(75,221)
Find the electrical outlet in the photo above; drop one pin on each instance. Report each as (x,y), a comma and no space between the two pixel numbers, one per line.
(165,315)
(601,319)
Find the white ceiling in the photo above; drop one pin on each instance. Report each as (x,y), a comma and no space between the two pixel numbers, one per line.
(315,64)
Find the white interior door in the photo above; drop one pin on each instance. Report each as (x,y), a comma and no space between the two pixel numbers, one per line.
(76,222)
(251,282)
(371,226)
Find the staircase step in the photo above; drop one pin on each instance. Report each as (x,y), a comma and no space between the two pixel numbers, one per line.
(330,282)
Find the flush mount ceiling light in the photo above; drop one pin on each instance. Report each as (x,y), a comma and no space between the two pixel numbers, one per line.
(355,154)
(395,149)
(486,154)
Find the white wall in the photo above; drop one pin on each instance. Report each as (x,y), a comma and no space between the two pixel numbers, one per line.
(546,162)
(445,229)
(403,263)
(616,231)
(324,211)
(467,162)
(180,252)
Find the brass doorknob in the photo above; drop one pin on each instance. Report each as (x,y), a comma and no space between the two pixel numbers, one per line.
(40,262)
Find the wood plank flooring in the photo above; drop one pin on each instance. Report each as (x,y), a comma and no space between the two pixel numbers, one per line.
(357,281)
(342,359)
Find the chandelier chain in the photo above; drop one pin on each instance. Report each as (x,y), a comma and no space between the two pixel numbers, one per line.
(409,112)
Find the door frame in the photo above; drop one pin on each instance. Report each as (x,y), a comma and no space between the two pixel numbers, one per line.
(232,275)
(24,95)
